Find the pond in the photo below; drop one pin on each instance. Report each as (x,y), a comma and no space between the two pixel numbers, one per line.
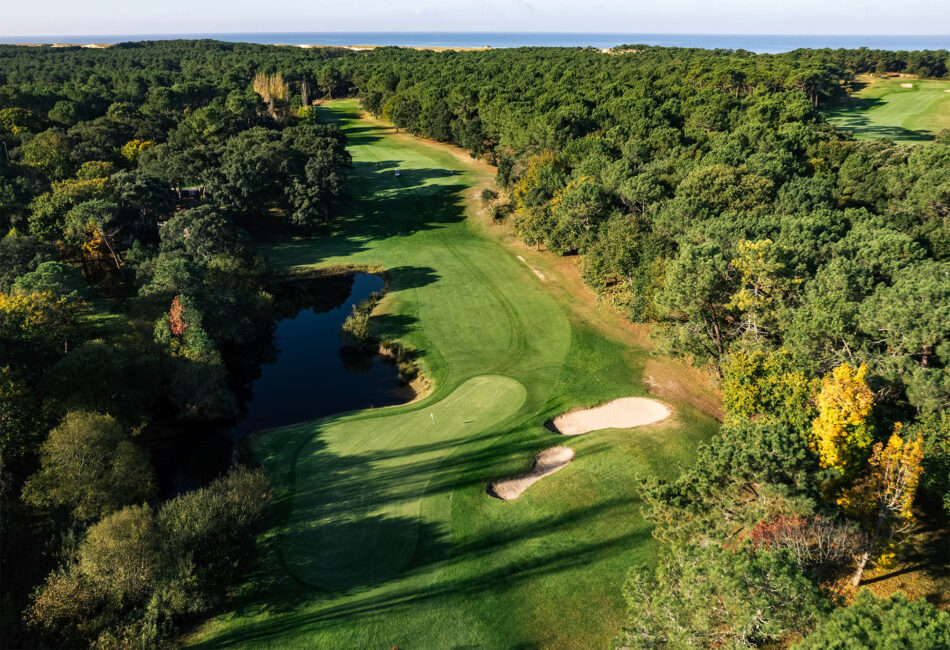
(300,372)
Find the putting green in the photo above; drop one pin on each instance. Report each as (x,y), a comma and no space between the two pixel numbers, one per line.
(365,529)
(382,532)
(885,108)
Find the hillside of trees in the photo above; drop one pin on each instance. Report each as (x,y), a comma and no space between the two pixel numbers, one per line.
(703,191)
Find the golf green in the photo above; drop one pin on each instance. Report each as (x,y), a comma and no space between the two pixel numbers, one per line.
(382,532)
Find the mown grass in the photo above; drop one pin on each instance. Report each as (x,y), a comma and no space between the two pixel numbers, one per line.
(383,533)
(883,108)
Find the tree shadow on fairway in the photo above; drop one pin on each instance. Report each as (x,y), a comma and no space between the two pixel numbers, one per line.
(348,484)
(387,207)
(485,564)
(411,277)
(393,326)
(863,128)
(364,134)
(506,575)
(344,562)
(409,177)
(852,115)
(340,543)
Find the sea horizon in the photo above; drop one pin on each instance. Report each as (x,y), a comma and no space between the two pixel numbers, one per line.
(761,43)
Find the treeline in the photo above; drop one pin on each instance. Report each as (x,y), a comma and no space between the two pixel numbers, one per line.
(923,63)
(862,60)
(705,193)
(133,184)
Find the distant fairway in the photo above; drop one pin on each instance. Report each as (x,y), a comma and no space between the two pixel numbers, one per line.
(383,532)
(886,109)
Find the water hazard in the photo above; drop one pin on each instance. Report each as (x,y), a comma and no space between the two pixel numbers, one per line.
(300,372)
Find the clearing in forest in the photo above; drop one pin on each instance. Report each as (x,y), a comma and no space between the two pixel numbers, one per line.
(383,532)
(908,111)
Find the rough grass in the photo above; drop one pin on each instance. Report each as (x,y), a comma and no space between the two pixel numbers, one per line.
(383,533)
(882,108)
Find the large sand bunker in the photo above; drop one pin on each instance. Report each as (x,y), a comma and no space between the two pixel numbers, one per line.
(623,413)
(547,462)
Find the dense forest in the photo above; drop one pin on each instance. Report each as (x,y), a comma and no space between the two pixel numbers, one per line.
(704,193)
(133,186)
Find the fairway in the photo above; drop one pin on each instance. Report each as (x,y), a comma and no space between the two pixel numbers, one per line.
(885,108)
(383,533)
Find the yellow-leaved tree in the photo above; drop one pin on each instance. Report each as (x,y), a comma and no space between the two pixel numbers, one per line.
(274,90)
(883,499)
(533,196)
(841,434)
(37,320)
(132,149)
(767,386)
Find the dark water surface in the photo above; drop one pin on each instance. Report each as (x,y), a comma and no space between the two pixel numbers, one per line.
(314,375)
(768,43)
(306,374)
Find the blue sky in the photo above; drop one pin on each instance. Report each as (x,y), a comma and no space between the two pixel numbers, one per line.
(90,17)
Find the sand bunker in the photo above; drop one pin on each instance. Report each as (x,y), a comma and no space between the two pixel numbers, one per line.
(907,85)
(547,462)
(623,413)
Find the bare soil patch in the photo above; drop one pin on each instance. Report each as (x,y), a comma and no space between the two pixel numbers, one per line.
(623,413)
(547,462)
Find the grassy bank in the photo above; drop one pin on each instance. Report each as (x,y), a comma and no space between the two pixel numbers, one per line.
(383,533)
(907,110)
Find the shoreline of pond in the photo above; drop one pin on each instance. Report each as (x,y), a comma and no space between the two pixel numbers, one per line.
(299,370)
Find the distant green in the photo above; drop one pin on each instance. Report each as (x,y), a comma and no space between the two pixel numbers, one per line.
(383,532)
(884,108)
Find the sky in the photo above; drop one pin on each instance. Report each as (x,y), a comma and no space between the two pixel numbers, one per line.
(91,17)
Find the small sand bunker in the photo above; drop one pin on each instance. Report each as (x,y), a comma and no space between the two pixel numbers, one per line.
(536,271)
(907,85)
(547,462)
(623,413)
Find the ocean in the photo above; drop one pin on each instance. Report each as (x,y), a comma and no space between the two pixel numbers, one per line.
(755,43)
